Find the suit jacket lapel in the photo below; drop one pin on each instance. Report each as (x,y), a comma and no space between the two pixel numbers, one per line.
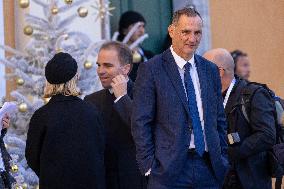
(130,88)
(202,73)
(173,73)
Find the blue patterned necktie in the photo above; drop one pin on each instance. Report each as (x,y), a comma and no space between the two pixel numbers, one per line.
(192,104)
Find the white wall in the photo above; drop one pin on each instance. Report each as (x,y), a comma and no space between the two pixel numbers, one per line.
(2,68)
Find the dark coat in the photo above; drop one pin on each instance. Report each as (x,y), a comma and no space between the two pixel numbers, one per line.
(161,118)
(65,145)
(250,155)
(121,167)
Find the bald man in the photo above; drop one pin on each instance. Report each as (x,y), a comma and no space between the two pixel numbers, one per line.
(248,155)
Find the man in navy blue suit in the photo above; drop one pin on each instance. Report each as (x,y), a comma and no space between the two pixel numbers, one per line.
(178,121)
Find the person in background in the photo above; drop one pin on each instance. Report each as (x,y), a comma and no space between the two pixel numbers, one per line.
(65,140)
(249,141)
(126,22)
(242,64)
(115,104)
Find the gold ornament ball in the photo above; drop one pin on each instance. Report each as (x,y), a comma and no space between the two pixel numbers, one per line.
(20,81)
(14,168)
(69,2)
(54,10)
(82,11)
(88,65)
(136,57)
(25,186)
(28,30)
(23,107)
(24,3)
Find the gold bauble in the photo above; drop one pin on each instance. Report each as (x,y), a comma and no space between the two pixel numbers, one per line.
(20,81)
(82,11)
(14,168)
(25,186)
(28,30)
(54,10)
(37,187)
(69,2)
(46,100)
(136,57)
(24,3)
(18,187)
(88,65)
(23,107)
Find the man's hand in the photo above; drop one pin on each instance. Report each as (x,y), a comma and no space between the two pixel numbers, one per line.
(6,121)
(119,86)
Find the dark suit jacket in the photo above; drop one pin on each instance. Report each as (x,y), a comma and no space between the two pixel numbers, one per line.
(65,144)
(161,118)
(121,166)
(250,155)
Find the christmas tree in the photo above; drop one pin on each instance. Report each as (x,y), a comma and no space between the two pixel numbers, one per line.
(48,36)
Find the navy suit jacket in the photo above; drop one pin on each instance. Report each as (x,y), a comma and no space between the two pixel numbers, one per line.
(161,118)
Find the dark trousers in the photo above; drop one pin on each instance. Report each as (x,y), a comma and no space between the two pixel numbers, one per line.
(197,174)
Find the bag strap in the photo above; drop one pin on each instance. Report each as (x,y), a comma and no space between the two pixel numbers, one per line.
(247,95)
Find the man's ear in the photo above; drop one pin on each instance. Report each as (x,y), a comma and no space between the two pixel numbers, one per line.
(171,30)
(126,69)
(222,72)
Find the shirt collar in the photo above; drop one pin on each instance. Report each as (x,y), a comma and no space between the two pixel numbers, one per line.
(180,61)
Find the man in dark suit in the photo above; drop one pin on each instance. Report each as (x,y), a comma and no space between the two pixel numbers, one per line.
(248,157)
(115,104)
(178,121)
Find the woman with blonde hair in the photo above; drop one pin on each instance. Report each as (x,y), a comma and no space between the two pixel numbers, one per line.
(65,143)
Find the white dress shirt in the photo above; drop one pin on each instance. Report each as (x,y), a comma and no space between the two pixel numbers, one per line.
(194,76)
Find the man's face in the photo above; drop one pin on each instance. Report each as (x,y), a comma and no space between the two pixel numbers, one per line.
(186,35)
(109,67)
(138,33)
(243,67)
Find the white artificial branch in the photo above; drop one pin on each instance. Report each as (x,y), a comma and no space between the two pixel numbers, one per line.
(138,41)
(59,40)
(115,36)
(131,32)
(13,51)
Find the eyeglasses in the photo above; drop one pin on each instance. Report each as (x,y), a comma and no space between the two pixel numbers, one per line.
(221,68)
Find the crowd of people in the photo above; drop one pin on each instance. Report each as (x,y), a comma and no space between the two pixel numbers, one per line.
(177,122)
